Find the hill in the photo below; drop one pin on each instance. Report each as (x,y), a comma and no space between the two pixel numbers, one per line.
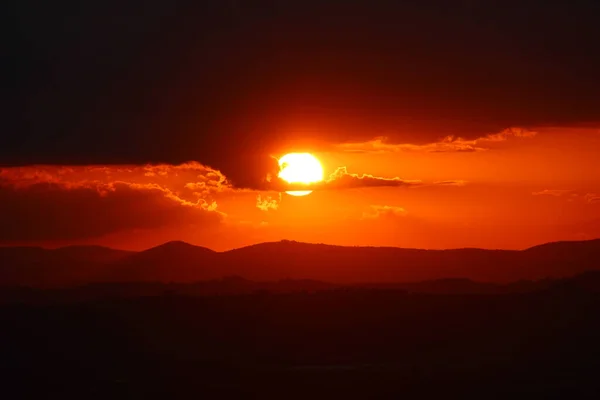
(71,265)
(170,262)
(183,262)
(296,260)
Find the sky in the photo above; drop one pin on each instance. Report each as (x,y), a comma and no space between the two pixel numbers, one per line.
(438,124)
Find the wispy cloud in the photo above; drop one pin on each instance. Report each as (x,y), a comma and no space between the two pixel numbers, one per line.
(53,202)
(552,192)
(592,198)
(342,179)
(447,144)
(572,195)
(378,211)
(457,182)
(266,203)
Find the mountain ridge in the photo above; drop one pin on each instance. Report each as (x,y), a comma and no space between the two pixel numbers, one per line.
(179,261)
(175,243)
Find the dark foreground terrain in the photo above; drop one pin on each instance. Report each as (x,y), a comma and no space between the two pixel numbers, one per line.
(303,340)
(294,320)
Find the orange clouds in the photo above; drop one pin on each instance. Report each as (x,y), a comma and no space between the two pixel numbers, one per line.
(51,211)
(52,203)
(342,179)
(592,198)
(526,192)
(589,198)
(451,183)
(377,211)
(552,192)
(381,144)
(266,203)
(189,180)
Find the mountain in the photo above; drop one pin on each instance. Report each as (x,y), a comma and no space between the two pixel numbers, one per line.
(294,260)
(69,265)
(172,261)
(183,262)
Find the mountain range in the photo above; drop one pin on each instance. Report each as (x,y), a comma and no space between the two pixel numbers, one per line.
(181,262)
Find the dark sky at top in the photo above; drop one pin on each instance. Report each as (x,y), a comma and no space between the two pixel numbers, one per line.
(225,82)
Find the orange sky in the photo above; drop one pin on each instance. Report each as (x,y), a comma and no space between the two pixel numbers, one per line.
(511,189)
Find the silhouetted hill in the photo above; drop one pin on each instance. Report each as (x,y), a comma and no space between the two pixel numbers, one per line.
(295,260)
(565,246)
(176,247)
(182,262)
(554,257)
(443,286)
(170,262)
(97,253)
(588,281)
(48,267)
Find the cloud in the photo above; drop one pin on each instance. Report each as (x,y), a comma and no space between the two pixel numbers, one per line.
(379,211)
(267,203)
(457,182)
(56,203)
(342,179)
(447,144)
(191,180)
(552,192)
(592,198)
(252,171)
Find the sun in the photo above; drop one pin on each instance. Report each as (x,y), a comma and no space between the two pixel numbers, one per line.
(300,168)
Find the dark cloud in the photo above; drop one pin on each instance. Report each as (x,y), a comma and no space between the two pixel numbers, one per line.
(252,171)
(54,212)
(56,203)
(201,81)
(191,180)
(342,179)
(448,144)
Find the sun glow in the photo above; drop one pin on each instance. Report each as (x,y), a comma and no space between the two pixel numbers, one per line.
(301,168)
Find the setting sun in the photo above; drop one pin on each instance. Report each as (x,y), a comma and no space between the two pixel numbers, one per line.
(300,168)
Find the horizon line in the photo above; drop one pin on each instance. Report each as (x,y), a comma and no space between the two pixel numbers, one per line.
(289,241)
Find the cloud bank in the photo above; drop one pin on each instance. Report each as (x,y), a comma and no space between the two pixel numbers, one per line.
(382,211)
(342,179)
(58,203)
(447,144)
